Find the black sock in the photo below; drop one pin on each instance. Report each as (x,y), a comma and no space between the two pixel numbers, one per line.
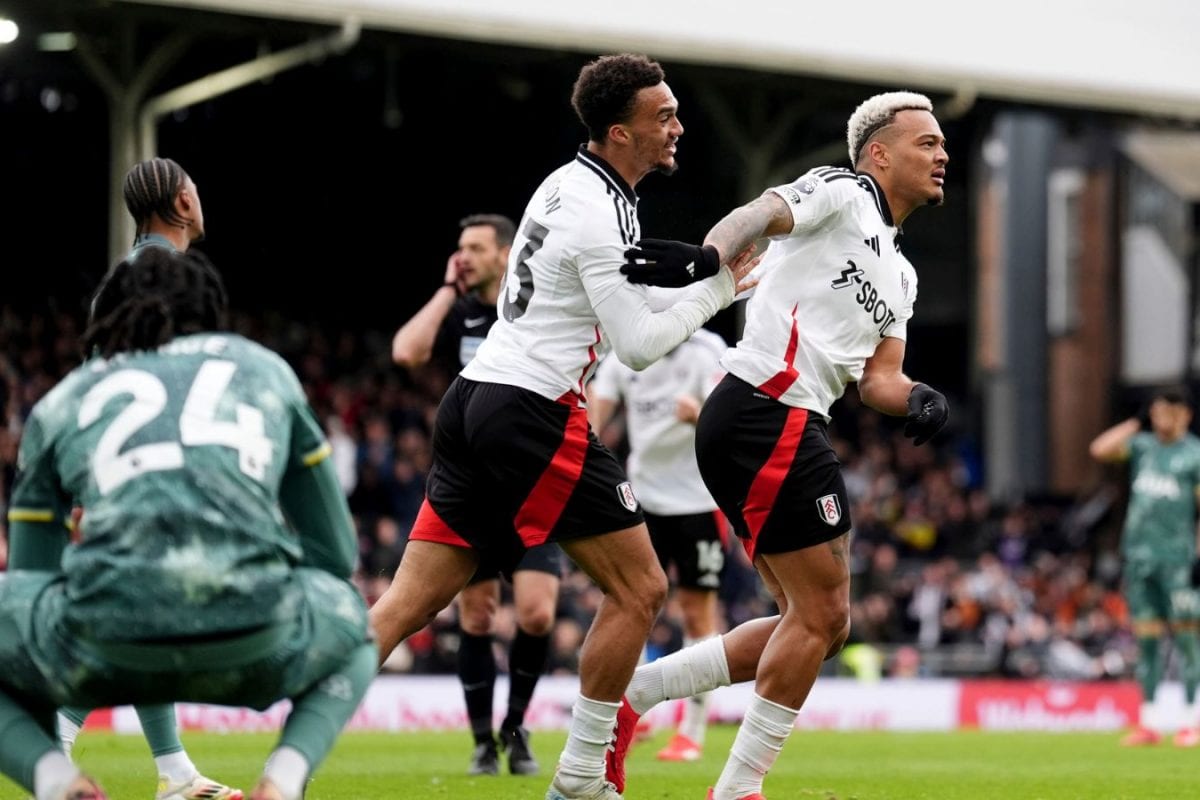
(526,662)
(477,671)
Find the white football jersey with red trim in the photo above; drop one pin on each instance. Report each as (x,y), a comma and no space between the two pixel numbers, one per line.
(565,260)
(830,291)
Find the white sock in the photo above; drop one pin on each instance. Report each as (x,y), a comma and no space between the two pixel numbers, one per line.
(68,732)
(581,765)
(695,717)
(1192,719)
(1146,717)
(757,745)
(695,709)
(176,767)
(688,672)
(52,774)
(288,769)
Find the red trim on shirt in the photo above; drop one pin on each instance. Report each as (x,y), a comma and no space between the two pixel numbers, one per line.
(430,527)
(591,360)
(765,487)
(779,383)
(540,512)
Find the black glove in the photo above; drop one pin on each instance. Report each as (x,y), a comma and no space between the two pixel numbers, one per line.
(1196,574)
(669,263)
(927,413)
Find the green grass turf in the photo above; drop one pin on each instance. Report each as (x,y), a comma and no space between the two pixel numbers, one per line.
(813,766)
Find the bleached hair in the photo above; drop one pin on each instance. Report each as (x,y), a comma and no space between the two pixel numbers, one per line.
(876,112)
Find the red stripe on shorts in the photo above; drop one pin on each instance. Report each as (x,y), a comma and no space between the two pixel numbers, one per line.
(765,487)
(781,381)
(540,512)
(430,527)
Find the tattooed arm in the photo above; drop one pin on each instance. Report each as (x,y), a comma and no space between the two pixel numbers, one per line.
(768,215)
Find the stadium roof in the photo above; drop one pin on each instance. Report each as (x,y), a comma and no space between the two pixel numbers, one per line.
(1116,55)
(1173,157)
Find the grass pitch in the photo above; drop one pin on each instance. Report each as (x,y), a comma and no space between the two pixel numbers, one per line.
(813,766)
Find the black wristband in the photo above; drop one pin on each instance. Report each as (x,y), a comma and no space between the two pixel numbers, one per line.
(453,285)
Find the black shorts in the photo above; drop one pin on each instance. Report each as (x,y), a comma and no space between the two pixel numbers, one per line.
(696,545)
(512,470)
(771,469)
(545,558)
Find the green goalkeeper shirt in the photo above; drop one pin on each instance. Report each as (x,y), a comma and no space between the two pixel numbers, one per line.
(185,460)
(1160,524)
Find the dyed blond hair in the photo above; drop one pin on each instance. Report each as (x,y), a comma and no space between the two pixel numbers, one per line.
(876,113)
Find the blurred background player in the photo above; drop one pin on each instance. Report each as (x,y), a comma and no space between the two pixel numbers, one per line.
(1159,548)
(187,583)
(165,205)
(662,404)
(832,307)
(449,329)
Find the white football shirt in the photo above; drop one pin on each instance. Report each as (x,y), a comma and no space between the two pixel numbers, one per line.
(662,448)
(830,291)
(564,296)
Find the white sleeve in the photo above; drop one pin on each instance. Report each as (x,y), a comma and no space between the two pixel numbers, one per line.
(899,328)
(812,200)
(639,334)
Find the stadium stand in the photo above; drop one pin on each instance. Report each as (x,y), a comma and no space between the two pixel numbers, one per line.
(946,582)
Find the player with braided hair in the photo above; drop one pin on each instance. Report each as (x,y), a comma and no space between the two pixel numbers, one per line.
(165,205)
(215,563)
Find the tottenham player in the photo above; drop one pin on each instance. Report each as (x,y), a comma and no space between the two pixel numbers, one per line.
(1159,548)
(662,404)
(188,448)
(832,307)
(514,462)
(165,205)
(449,329)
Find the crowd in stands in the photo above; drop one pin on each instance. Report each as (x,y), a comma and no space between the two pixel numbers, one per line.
(945,581)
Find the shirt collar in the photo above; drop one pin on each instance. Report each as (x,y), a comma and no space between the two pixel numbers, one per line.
(605,170)
(872,185)
(151,240)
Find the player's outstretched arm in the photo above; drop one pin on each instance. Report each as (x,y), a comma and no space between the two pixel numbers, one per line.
(767,215)
(672,264)
(640,336)
(1113,444)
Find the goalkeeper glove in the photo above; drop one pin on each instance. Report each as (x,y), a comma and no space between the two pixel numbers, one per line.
(927,413)
(662,262)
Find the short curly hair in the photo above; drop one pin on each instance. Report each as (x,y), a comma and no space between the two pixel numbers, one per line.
(606,90)
(876,113)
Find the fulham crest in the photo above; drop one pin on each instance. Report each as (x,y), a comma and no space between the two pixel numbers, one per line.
(627,497)
(829,509)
